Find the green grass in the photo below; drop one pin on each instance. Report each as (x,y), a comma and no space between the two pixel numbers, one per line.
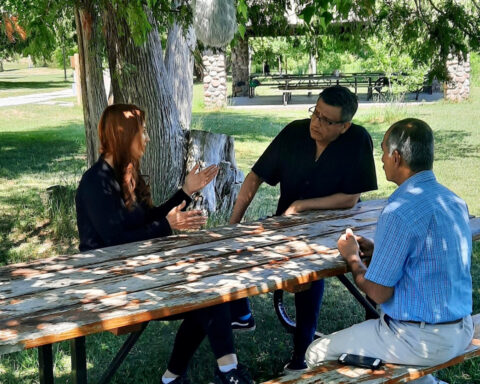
(43,145)
(25,81)
(40,146)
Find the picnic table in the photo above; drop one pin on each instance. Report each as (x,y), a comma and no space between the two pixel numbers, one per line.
(374,82)
(123,287)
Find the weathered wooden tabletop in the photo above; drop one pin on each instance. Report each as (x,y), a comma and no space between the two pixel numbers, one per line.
(61,298)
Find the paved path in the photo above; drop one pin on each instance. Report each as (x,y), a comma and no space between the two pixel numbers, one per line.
(35,98)
(302,101)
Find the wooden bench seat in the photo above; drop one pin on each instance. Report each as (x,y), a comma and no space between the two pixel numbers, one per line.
(333,372)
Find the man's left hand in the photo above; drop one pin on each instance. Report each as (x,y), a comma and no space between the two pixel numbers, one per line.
(294,208)
(348,246)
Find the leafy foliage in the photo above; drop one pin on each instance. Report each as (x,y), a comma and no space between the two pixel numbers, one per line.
(428,31)
(12,36)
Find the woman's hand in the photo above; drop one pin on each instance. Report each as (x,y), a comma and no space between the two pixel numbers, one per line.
(195,181)
(181,220)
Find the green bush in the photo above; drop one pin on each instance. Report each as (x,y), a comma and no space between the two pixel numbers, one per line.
(57,57)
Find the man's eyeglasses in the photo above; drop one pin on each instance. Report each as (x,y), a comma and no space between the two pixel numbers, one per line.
(322,119)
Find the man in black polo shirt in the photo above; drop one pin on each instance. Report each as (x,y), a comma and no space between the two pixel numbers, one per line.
(324,162)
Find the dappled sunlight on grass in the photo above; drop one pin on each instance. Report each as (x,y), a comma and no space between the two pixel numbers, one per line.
(45,147)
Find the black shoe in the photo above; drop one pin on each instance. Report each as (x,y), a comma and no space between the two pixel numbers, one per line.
(239,375)
(244,325)
(296,365)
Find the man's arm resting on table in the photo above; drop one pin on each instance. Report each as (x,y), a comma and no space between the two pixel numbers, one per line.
(335,201)
(247,192)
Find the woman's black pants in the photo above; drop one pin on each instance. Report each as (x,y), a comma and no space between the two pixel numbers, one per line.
(213,322)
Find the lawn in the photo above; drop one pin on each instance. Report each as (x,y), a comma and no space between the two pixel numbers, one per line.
(15,81)
(44,145)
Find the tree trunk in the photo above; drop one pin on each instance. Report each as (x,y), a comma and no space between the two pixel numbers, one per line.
(1,65)
(213,148)
(139,76)
(91,75)
(64,59)
(240,75)
(313,64)
(179,66)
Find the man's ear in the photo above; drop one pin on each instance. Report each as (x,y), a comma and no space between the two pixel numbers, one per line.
(397,158)
(345,127)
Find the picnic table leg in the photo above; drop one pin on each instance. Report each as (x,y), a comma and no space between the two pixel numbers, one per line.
(282,314)
(121,355)
(79,360)
(370,311)
(45,364)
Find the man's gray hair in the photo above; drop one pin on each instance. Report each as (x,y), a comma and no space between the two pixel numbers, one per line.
(413,139)
(338,96)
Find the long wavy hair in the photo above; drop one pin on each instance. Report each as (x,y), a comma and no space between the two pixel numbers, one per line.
(119,126)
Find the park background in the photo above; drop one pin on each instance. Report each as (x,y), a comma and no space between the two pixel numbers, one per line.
(43,145)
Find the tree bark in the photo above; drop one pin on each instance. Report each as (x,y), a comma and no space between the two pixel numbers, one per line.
(179,66)
(139,76)
(240,75)
(91,75)
(313,64)
(212,148)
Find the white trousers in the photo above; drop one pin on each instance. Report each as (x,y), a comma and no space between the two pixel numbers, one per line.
(396,342)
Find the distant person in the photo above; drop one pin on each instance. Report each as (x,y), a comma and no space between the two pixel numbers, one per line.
(324,162)
(420,269)
(266,69)
(114,206)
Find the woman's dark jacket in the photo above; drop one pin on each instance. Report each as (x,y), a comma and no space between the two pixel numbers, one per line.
(104,220)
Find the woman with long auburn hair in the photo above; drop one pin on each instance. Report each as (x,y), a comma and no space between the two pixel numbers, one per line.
(114,206)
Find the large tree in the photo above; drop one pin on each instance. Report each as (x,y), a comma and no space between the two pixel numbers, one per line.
(156,77)
(161,82)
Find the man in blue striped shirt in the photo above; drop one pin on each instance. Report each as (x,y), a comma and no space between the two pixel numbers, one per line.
(420,268)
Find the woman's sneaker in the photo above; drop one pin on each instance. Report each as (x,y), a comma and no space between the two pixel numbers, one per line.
(247,325)
(239,375)
(180,380)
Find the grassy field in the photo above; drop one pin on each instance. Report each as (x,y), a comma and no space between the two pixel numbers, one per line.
(18,80)
(44,145)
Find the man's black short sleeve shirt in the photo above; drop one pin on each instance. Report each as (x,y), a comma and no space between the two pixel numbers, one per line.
(345,166)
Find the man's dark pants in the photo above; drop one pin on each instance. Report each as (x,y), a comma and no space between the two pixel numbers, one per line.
(307,309)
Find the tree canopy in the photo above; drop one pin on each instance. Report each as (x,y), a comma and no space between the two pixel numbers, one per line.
(429,31)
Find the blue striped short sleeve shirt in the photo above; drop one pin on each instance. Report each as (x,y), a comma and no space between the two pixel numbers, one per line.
(423,246)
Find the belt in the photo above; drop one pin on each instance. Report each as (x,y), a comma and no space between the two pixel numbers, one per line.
(388,318)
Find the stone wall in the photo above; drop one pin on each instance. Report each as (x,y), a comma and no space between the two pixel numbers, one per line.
(214,79)
(240,70)
(458,87)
